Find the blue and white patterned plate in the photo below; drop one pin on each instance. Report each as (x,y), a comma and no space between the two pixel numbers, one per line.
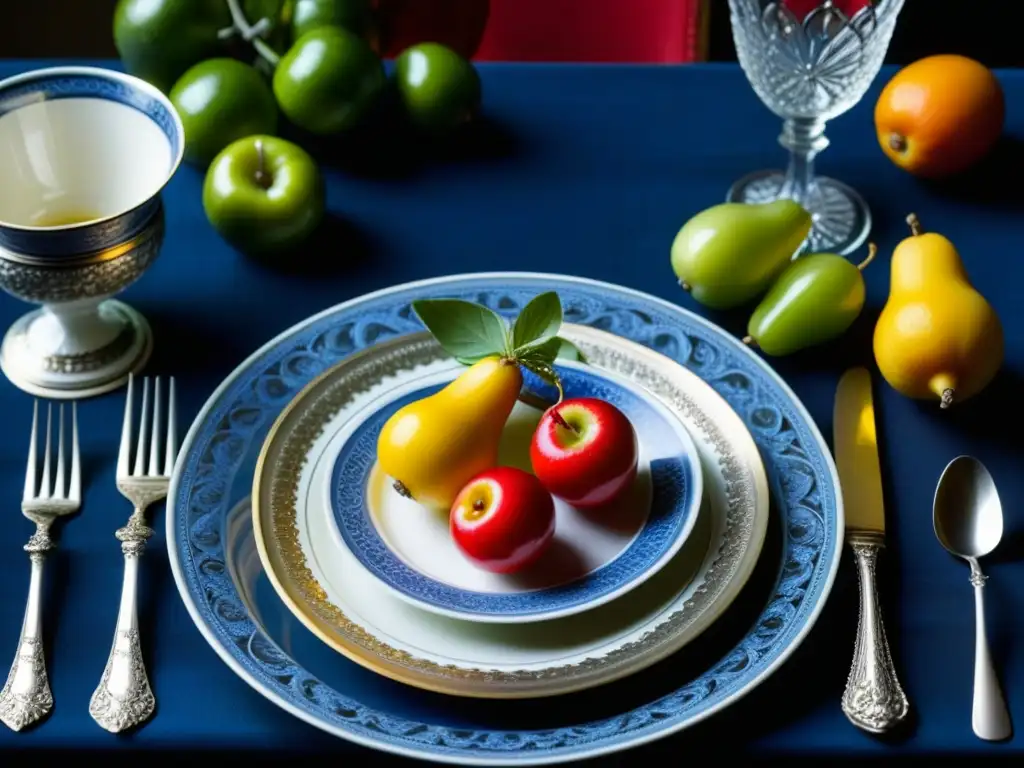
(213,475)
(593,558)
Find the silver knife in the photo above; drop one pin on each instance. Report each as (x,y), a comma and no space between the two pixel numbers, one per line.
(874,699)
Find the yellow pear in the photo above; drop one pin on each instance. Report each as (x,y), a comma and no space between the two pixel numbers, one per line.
(431,448)
(937,336)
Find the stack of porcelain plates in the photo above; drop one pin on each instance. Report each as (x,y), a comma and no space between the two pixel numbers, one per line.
(351,607)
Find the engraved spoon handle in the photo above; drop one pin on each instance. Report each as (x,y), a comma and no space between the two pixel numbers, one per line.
(26,696)
(874,699)
(989,716)
(124,697)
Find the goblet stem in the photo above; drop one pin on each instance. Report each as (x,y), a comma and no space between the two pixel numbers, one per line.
(804,137)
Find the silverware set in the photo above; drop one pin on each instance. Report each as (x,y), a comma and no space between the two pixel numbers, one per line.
(123,698)
(967,518)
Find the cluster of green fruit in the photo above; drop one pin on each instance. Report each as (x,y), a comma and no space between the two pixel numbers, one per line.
(730,254)
(312,63)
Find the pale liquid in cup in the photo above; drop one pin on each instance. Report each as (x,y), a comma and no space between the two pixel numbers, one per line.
(63,218)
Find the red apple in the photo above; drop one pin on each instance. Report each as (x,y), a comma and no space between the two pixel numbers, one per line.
(503,519)
(584,451)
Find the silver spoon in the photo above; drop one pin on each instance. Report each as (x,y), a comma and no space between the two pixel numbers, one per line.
(968,521)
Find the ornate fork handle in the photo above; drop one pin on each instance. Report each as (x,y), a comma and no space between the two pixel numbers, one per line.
(26,697)
(124,697)
(874,699)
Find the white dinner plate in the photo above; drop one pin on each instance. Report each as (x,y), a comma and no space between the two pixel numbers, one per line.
(338,599)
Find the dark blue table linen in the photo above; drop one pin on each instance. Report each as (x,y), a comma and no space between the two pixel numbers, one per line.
(583,170)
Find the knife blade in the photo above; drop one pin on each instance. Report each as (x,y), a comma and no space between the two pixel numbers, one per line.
(856,452)
(874,699)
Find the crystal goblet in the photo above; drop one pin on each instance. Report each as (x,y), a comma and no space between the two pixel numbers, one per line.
(808,69)
(84,155)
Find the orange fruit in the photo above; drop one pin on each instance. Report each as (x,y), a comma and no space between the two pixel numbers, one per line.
(939,115)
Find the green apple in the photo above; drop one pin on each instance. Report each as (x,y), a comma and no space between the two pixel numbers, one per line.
(263,195)
(159,39)
(328,80)
(353,15)
(439,88)
(219,101)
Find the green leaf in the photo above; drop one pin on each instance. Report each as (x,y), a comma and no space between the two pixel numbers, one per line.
(569,351)
(472,360)
(537,322)
(555,349)
(465,330)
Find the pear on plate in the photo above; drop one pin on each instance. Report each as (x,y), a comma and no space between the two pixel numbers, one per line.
(729,254)
(432,447)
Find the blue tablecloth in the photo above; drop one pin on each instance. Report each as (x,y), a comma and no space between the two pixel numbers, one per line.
(586,170)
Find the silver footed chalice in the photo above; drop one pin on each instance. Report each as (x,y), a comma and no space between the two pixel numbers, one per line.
(808,69)
(84,155)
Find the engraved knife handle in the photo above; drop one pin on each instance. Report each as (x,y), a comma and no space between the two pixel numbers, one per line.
(874,699)
(989,716)
(26,697)
(124,697)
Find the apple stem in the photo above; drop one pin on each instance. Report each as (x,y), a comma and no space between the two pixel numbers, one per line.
(262,177)
(562,422)
(872,250)
(251,33)
(914,223)
(558,385)
(399,486)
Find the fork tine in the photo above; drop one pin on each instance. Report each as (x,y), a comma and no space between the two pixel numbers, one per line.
(33,450)
(124,452)
(171,453)
(58,480)
(140,446)
(154,444)
(44,484)
(75,486)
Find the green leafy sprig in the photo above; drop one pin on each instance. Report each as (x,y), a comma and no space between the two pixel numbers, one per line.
(470,332)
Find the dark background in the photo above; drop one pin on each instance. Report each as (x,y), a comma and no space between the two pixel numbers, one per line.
(81,28)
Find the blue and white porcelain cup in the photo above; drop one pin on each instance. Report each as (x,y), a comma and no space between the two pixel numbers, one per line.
(84,156)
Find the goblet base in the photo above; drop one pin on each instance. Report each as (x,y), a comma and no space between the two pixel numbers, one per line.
(36,357)
(842,220)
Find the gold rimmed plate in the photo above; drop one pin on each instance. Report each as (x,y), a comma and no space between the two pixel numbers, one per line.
(327,589)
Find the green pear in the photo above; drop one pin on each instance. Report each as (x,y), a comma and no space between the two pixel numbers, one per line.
(729,254)
(815,299)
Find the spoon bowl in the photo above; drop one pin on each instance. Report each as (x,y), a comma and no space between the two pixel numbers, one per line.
(968,520)
(967,515)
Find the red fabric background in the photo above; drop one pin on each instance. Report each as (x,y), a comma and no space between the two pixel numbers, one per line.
(551,30)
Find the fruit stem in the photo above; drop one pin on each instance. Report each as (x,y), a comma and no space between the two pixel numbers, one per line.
(262,177)
(872,250)
(535,401)
(749,341)
(684,285)
(251,33)
(914,223)
(897,143)
(947,398)
(562,422)
(399,486)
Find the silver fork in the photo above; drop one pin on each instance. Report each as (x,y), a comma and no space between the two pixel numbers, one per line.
(124,697)
(26,697)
